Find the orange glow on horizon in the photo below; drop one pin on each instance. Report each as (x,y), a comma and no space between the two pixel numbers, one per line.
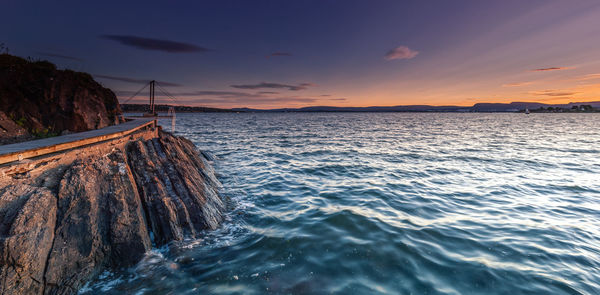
(575,88)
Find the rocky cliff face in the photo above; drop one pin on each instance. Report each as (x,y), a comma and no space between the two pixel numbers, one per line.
(45,101)
(66,222)
(11,131)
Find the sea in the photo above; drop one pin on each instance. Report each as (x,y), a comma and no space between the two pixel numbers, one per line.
(388,203)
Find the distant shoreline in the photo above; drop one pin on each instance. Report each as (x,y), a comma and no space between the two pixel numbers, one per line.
(513,107)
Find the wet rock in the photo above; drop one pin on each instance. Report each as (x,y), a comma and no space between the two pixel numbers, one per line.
(27,222)
(209,156)
(100,222)
(72,222)
(177,186)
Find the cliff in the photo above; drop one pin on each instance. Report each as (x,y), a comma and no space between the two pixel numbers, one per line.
(37,100)
(66,218)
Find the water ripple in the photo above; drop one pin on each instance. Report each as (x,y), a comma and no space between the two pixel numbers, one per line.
(389,204)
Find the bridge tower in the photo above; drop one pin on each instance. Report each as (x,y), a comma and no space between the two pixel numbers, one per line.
(151,109)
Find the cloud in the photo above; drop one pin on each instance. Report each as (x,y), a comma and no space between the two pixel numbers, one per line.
(221,94)
(401,52)
(588,77)
(217,93)
(222,97)
(234,98)
(325,95)
(279,54)
(267,92)
(255,100)
(59,56)
(300,86)
(517,84)
(551,69)
(155,44)
(136,81)
(553,93)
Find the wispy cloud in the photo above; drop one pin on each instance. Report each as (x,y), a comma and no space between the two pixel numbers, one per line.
(517,84)
(262,85)
(254,100)
(552,92)
(279,54)
(325,95)
(223,98)
(216,93)
(231,98)
(551,69)
(220,94)
(588,77)
(155,44)
(401,52)
(135,81)
(223,94)
(49,54)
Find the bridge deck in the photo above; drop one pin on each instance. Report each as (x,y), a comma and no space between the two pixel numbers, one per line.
(33,148)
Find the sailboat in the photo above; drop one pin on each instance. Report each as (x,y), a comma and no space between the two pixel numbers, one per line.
(526,110)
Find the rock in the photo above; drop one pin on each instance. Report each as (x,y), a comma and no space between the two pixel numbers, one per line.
(46,101)
(177,187)
(68,224)
(27,222)
(100,222)
(209,156)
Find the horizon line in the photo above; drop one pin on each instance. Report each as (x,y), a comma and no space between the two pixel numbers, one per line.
(373,106)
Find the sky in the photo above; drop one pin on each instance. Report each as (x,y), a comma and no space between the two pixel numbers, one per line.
(273,54)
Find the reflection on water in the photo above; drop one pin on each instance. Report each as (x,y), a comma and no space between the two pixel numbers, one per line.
(409,203)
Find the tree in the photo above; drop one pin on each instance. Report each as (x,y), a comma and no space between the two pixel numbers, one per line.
(3,48)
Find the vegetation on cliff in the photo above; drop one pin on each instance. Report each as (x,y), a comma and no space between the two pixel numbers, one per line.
(44,101)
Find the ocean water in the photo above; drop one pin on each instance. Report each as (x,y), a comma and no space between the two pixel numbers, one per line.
(389,203)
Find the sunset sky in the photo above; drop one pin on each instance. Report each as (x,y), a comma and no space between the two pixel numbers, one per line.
(271,54)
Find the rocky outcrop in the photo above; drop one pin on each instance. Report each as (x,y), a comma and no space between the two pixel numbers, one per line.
(169,166)
(46,101)
(67,224)
(28,215)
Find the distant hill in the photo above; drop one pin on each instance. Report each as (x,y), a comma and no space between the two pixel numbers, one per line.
(479,107)
(519,106)
(408,108)
(476,108)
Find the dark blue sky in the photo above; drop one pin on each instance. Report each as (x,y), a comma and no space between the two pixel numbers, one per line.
(326,52)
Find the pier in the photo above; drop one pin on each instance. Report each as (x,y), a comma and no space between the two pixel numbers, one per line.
(30,149)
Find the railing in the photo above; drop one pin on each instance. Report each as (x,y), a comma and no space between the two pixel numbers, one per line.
(34,148)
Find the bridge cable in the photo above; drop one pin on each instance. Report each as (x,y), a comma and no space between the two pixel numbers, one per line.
(165,92)
(131,97)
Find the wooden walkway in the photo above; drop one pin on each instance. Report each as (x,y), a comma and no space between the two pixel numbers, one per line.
(29,149)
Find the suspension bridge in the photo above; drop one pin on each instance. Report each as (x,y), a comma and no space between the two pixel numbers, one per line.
(151,110)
